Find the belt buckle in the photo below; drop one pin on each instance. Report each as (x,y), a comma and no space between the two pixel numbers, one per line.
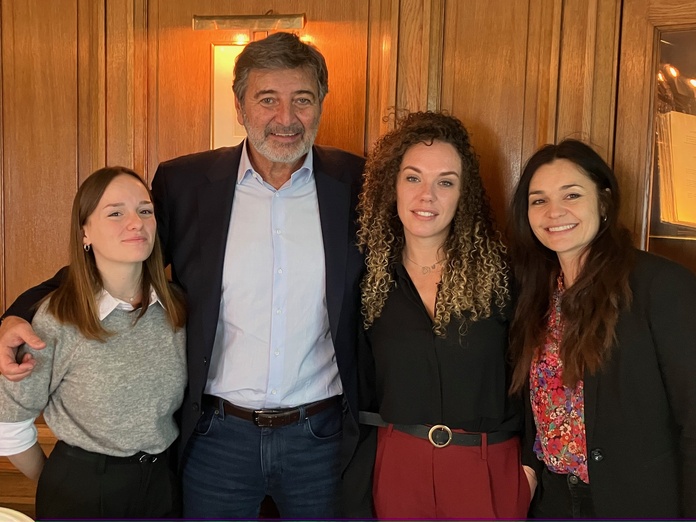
(443,428)
(255,418)
(147,458)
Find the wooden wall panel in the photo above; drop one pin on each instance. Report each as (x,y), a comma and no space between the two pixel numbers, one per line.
(126,94)
(607,26)
(668,13)
(633,158)
(412,56)
(91,86)
(382,68)
(483,84)
(3,280)
(542,71)
(39,137)
(587,80)
(419,58)
(179,70)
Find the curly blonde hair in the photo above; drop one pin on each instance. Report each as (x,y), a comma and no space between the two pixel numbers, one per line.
(475,274)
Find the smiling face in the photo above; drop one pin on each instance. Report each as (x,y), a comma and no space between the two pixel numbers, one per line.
(121,230)
(280,113)
(564,211)
(427,191)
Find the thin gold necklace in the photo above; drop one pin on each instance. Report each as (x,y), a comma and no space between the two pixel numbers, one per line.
(425,270)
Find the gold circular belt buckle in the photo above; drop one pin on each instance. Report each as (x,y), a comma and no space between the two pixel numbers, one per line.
(443,428)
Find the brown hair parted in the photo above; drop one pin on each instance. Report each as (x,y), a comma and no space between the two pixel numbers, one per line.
(280,51)
(74,301)
(475,272)
(591,306)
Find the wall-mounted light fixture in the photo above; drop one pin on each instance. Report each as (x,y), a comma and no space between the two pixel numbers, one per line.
(265,22)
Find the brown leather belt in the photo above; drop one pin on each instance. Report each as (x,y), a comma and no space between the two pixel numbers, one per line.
(272,418)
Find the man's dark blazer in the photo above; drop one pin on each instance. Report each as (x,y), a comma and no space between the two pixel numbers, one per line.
(640,408)
(193,198)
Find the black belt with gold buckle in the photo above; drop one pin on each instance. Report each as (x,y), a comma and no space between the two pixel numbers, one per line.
(439,435)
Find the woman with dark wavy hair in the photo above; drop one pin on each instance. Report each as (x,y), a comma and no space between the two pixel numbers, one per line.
(436,301)
(604,348)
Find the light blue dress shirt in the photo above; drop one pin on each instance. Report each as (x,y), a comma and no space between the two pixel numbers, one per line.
(273,346)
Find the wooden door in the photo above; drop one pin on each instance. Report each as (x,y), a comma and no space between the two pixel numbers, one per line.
(643,23)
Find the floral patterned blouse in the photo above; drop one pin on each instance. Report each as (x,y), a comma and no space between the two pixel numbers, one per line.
(559,411)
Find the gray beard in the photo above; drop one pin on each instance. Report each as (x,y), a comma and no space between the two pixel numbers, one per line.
(289,154)
(282,154)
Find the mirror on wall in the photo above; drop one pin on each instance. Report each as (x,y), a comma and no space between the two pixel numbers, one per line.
(672,220)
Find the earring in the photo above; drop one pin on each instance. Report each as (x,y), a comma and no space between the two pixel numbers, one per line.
(604,219)
(87,248)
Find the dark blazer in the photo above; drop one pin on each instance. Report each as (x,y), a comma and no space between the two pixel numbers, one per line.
(193,200)
(640,408)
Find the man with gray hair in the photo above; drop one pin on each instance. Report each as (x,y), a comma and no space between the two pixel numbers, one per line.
(261,238)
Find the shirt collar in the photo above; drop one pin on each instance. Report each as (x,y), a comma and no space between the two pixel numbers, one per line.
(108,303)
(246,170)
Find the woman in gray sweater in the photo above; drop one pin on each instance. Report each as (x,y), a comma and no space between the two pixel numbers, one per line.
(113,371)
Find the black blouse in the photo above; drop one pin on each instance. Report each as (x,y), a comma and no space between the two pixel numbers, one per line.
(412,376)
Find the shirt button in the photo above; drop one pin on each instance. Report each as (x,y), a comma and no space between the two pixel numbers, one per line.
(277,353)
(277,231)
(573,479)
(280,270)
(597,455)
(273,392)
(278,311)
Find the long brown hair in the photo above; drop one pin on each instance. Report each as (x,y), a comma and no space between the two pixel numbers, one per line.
(74,301)
(475,273)
(591,306)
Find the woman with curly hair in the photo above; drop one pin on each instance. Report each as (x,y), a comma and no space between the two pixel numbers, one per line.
(604,348)
(436,301)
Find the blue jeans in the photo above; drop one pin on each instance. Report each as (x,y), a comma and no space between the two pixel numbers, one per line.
(232,464)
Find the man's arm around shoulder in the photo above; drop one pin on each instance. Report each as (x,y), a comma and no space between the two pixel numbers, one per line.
(16,330)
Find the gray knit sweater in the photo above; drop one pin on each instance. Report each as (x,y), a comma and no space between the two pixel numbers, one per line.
(116,397)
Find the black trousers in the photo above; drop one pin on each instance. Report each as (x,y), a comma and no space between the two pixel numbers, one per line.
(561,497)
(80,484)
